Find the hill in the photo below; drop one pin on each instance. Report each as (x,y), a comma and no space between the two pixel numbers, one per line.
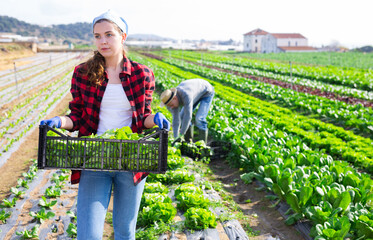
(147,37)
(76,32)
(367,49)
(73,32)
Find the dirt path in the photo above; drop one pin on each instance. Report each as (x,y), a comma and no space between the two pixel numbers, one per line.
(7,58)
(263,219)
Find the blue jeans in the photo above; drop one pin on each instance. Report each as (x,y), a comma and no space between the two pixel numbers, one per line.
(203,109)
(93,199)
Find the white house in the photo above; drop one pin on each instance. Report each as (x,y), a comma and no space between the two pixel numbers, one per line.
(252,41)
(260,41)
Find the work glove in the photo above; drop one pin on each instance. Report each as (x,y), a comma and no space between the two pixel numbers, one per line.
(161,121)
(53,122)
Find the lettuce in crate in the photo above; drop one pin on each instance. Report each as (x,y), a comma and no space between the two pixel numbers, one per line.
(133,158)
(108,153)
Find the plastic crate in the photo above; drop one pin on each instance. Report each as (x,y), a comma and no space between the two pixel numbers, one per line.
(215,150)
(193,151)
(144,155)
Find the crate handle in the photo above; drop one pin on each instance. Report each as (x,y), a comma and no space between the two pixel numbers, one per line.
(52,129)
(150,133)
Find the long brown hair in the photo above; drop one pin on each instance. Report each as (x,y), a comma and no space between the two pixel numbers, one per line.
(95,69)
(96,64)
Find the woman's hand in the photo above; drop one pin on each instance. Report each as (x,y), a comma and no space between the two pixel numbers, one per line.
(53,122)
(161,121)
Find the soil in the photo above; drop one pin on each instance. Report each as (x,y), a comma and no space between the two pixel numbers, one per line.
(20,161)
(9,58)
(266,221)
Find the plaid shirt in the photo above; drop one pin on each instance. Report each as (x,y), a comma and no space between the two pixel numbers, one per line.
(138,84)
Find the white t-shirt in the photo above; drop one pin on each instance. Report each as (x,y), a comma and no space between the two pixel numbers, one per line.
(115,110)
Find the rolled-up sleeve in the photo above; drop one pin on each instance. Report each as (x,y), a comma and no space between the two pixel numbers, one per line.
(149,89)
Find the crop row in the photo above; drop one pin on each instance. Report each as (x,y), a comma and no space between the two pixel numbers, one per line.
(340,143)
(21,117)
(354,117)
(32,95)
(11,90)
(39,66)
(35,64)
(352,77)
(335,197)
(214,61)
(45,207)
(337,59)
(42,102)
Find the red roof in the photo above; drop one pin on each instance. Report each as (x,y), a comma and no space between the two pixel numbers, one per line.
(298,48)
(287,35)
(257,31)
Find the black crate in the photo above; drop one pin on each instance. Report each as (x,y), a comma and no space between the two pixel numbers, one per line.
(215,150)
(67,152)
(194,151)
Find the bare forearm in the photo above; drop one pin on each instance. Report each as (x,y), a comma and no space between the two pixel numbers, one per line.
(149,121)
(66,123)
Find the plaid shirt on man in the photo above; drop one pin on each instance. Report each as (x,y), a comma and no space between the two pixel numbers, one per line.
(138,84)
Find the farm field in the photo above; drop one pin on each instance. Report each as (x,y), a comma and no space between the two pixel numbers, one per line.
(303,147)
(300,158)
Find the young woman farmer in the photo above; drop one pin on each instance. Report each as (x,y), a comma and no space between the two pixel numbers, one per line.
(109,91)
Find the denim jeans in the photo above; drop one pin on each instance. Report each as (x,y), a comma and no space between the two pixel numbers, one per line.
(94,194)
(203,109)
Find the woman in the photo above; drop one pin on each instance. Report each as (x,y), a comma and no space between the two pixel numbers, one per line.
(109,91)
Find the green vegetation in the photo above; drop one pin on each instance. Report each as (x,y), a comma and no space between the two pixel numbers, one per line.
(199,218)
(30,234)
(339,59)
(4,215)
(296,151)
(43,202)
(294,163)
(42,215)
(84,47)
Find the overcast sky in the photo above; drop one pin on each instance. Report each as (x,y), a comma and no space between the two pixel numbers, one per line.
(322,22)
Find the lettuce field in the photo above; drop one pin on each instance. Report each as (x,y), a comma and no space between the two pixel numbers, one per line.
(297,126)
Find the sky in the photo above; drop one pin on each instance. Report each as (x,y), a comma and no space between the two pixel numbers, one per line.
(322,22)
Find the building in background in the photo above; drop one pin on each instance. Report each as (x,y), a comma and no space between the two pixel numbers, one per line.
(11,37)
(252,41)
(27,41)
(260,41)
